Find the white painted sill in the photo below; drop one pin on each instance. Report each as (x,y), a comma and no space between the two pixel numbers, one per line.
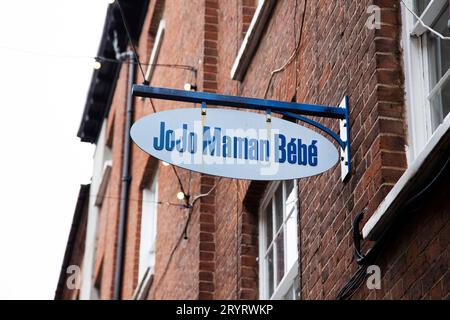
(251,40)
(377,222)
(103,183)
(141,291)
(155,51)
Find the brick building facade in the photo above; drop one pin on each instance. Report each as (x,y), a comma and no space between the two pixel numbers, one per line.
(232,243)
(68,287)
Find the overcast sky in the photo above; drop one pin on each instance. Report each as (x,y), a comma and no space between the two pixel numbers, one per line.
(42,161)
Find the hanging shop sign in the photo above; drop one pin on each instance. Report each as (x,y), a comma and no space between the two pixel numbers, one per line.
(243,145)
(234,144)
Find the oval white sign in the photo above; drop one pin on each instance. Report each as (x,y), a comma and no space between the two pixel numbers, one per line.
(234,144)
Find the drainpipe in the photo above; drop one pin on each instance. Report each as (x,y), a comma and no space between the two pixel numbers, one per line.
(126,179)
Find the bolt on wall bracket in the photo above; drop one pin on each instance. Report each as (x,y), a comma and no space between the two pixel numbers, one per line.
(345,137)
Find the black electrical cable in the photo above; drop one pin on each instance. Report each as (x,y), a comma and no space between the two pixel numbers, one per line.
(364,260)
(127,30)
(376,247)
(166,65)
(186,196)
(293,55)
(180,205)
(357,237)
(183,234)
(353,284)
(191,205)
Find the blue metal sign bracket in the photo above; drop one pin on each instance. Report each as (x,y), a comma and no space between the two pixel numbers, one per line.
(291,109)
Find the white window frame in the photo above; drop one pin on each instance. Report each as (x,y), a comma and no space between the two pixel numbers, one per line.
(155,50)
(290,272)
(107,168)
(425,144)
(102,156)
(251,39)
(148,231)
(417,76)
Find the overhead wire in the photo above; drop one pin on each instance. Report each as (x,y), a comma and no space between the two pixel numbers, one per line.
(110,60)
(291,58)
(364,260)
(436,33)
(183,234)
(175,171)
(195,199)
(163,65)
(355,282)
(127,30)
(189,205)
(94,58)
(181,205)
(45,53)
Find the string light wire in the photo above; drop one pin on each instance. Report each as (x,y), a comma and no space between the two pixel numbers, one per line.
(95,58)
(188,204)
(127,30)
(183,234)
(180,205)
(423,23)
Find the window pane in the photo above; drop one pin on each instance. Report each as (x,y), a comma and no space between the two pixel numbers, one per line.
(289,187)
(420,6)
(280,257)
(291,240)
(269,261)
(291,195)
(279,203)
(281,225)
(439,57)
(439,50)
(440,104)
(269,229)
(148,228)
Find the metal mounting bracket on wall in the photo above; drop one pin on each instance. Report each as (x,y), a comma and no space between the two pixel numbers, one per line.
(344,131)
(291,109)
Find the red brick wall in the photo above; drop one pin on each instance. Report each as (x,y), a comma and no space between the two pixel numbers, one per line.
(351,62)
(186,33)
(109,213)
(337,56)
(416,261)
(248,10)
(75,250)
(206,205)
